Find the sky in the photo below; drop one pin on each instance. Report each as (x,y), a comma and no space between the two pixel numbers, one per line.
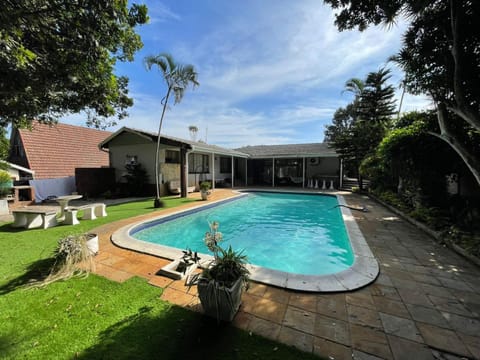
(270,71)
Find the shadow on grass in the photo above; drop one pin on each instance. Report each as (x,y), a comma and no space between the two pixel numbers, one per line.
(176,333)
(35,272)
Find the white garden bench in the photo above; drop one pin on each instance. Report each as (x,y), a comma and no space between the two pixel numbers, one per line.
(90,212)
(35,216)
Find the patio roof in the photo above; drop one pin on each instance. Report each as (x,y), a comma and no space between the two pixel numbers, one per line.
(290,150)
(174,141)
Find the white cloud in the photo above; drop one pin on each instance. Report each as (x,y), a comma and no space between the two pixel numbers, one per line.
(270,72)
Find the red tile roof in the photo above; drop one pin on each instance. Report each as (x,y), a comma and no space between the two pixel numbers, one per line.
(55,151)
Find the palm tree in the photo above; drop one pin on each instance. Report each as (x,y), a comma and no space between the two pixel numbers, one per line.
(177,77)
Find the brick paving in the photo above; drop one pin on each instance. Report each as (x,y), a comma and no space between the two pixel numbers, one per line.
(425,304)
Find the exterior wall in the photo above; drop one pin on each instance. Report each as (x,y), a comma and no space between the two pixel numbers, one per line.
(328,166)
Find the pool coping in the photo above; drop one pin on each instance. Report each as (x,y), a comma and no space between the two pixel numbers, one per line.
(363,271)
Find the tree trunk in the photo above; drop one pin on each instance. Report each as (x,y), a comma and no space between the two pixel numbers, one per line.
(157,152)
(462,108)
(468,158)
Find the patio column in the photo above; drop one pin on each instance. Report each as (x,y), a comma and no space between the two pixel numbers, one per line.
(273,172)
(341,174)
(213,170)
(246,172)
(233,172)
(303,174)
(183,169)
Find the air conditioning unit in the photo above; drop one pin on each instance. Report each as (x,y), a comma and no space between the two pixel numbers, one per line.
(314,161)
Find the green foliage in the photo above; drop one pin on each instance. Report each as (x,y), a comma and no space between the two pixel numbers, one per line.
(4,144)
(136,177)
(439,55)
(95,318)
(63,61)
(228,266)
(5,183)
(205,185)
(359,127)
(178,78)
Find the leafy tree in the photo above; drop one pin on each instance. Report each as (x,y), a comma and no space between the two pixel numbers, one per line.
(359,128)
(58,57)
(440,56)
(177,77)
(4,144)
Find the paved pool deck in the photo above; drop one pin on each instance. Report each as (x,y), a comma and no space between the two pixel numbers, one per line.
(425,304)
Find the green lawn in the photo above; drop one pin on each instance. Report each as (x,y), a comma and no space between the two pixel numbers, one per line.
(94,318)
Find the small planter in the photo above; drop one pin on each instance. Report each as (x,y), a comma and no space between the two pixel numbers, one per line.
(205,194)
(219,301)
(178,269)
(92,243)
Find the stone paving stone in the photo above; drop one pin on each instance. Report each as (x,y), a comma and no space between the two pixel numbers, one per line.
(332,329)
(177,297)
(276,294)
(443,339)
(462,324)
(437,291)
(299,319)
(449,305)
(112,273)
(427,279)
(160,281)
(472,343)
(296,338)
(417,269)
(400,327)
(331,350)
(360,298)
(455,284)
(257,289)
(242,320)
(404,349)
(304,301)
(427,315)
(264,328)
(414,297)
(370,341)
(383,279)
(387,292)
(332,305)
(403,283)
(264,308)
(391,307)
(363,316)
(360,355)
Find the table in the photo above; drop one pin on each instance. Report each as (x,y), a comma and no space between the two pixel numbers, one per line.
(63,201)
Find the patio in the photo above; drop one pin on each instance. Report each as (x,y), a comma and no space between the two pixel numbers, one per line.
(425,302)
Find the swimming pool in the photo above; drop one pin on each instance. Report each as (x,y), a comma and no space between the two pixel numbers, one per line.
(270,228)
(359,265)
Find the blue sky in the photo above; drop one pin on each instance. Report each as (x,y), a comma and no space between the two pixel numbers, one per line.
(270,71)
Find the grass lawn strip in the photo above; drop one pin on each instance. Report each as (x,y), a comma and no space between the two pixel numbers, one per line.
(94,318)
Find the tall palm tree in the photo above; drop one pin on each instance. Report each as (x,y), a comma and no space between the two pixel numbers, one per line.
(177,77)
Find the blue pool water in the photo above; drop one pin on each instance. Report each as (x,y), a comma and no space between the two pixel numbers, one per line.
(295,233)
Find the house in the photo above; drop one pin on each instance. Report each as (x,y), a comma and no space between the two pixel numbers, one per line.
(192,162)
(55,151)
(180,159)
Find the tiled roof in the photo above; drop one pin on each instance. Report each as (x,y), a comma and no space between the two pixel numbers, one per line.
(55,151)
(307,150)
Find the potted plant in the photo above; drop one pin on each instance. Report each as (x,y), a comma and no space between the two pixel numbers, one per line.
(205,187)
(221,284)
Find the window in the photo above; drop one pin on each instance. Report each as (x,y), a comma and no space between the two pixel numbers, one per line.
(225,165)
(198,164)
(172,157)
